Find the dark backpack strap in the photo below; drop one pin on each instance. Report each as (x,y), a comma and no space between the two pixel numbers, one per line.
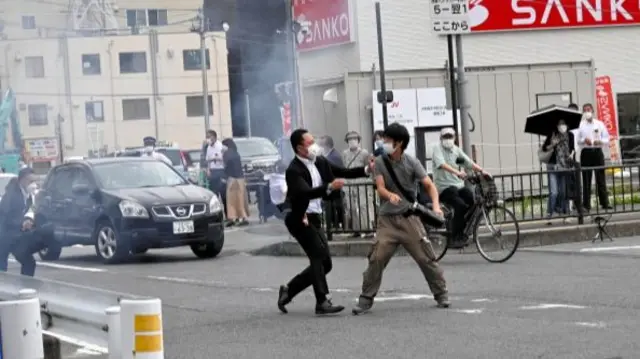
(392,173)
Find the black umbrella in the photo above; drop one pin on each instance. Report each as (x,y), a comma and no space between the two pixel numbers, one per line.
(545,120)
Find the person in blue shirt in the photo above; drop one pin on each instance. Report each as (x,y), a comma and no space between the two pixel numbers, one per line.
(378,138)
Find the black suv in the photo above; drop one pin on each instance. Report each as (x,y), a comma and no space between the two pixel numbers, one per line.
(127,205)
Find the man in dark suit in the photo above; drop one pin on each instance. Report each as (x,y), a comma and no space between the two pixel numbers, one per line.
(18,223)
(335,215)
(310,178)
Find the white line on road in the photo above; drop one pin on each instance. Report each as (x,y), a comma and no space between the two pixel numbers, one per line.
(604,249)
(469,311)
(184,280)
(402,297)
(65,266)
(591,324)
(553,306)
(482,300)
(79,343)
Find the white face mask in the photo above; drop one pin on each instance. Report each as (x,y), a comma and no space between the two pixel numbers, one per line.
(448,143)
(32,188)
(148,149)
(562,128)
(588,115)
(388,148)
(314,151)
(353,144)
(379,143)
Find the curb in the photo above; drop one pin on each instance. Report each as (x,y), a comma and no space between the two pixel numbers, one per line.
(536,237)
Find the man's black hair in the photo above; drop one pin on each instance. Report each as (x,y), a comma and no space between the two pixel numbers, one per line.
(297,138)
(398,133)
(328,140)
(24,173)
(378,133)
(212,133)
(573,106)
(588,104)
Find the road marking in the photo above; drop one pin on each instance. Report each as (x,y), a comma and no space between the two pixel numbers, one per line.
(263,289)
(604,249)
(65,266)
(77,342)
(85,351)
(591,324)
(402,297)
(469,311)
(184,280)
(482,300)
(553,306)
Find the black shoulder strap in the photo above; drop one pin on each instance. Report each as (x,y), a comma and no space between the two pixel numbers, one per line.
(406,194)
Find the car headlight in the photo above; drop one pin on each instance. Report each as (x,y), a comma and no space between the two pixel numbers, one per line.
(214,205)
(131,209)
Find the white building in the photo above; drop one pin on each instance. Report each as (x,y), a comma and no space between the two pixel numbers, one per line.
(109,91)
(492,55)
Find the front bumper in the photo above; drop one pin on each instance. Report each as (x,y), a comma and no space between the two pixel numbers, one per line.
(155,233)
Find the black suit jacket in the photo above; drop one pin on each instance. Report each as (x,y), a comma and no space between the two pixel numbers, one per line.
(13,206)
(300,190)
(547,143)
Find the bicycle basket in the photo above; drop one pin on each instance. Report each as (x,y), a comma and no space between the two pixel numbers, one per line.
(487,190)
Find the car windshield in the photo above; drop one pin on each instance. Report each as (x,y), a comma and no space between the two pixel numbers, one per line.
(137,174)
(4,181)
(254,147)
(172,154)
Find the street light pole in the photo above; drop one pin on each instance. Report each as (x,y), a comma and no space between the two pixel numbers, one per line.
(291,34)
(201,30)
(383,84)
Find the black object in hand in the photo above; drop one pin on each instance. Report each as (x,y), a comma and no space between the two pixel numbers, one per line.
(427,216)
(460,161)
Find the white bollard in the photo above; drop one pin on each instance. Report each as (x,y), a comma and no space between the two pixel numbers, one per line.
(115,335)
(141,328)
(20,327)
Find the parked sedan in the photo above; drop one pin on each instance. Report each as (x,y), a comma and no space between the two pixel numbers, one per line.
(127,205)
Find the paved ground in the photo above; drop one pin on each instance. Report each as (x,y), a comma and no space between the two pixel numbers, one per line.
(551,303)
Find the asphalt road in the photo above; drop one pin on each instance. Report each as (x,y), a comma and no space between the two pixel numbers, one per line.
(559,302)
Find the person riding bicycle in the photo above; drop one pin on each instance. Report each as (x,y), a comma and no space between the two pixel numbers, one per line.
(449,180)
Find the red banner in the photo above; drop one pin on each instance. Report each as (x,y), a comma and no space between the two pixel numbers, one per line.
(514,15)
(606,107)
(324,23)
(285,112)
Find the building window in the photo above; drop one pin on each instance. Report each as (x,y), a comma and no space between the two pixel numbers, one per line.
(93,111)
(191,60)
(38,115)
(146,17)
(91,64)
(136,109)
(28,22)
(133,62)
(195,106)
(34,66)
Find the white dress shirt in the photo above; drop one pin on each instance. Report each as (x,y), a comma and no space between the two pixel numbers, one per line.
(214,156)
(595,131)
(315,205)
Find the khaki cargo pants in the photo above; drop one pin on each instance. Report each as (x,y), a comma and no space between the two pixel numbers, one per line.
(408,232)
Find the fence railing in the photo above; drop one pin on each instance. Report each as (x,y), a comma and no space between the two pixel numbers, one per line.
(124,326)
(525,194)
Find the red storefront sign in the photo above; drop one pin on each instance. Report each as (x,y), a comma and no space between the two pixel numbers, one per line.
(514,15)
(324,23)
(285,112)
(606,107)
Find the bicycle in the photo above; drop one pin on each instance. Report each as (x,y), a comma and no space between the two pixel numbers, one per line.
(486,207)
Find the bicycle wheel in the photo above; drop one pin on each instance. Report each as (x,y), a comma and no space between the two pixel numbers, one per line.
(438,238)
(497,234)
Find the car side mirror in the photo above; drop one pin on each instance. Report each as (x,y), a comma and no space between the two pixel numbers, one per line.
(80,189)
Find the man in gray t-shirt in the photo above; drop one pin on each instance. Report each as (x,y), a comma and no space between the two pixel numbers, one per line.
(396,225)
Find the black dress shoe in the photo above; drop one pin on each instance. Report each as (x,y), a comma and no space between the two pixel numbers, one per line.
(283,299)
(328,308)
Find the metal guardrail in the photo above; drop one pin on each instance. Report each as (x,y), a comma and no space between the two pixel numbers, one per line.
(79,314)
(525,194)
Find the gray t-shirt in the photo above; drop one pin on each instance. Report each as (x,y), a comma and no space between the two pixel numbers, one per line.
(409,172)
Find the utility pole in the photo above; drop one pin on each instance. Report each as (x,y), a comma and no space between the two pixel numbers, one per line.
(463,97)
(383,97)
(452,85)
(291,34)
(247,110)
(201,30)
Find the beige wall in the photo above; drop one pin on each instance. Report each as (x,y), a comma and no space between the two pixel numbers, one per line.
(111,87)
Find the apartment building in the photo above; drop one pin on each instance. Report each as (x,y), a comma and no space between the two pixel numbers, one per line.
(109,92)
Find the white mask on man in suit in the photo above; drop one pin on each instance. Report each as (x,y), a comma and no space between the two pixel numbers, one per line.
(314,151)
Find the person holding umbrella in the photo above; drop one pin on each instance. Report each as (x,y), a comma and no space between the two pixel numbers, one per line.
(557,151)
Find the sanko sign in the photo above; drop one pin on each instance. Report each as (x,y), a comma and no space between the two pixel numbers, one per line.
(514,15)
(324,23)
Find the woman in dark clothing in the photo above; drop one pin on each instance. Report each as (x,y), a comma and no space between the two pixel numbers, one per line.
(237,200)
(561,142)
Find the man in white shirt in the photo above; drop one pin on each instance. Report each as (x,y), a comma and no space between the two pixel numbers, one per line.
(592,137)
(150,150)
(215,163)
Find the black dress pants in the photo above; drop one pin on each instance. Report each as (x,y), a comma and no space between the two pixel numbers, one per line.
(22,245)
(460,199)
(593,157)
(314,243)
